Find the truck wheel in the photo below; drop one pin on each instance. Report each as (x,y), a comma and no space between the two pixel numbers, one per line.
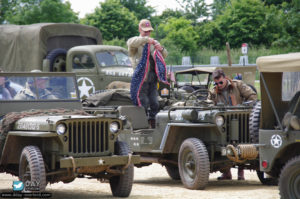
(57,59)
(266,180)
(121,185)
(254,122)
(173,172)
(193,164)
(32,167)
(289,181)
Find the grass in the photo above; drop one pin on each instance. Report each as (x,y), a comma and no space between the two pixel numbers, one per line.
(202,57)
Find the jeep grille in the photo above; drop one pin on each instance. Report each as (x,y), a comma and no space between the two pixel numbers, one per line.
(88,136)
(243,120)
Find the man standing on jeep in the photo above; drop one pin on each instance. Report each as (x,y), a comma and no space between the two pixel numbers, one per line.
(148,91)
(230,92)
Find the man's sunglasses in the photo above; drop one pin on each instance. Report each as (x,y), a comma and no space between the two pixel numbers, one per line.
(220,82)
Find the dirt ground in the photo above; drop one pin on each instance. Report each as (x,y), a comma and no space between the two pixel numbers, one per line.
(154,182)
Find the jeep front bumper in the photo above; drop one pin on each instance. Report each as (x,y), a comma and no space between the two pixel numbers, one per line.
(104,161)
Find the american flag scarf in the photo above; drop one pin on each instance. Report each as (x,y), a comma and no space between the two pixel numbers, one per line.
(141,70)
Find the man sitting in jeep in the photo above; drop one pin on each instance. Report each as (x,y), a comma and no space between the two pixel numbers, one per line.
(230,92)
(30,92)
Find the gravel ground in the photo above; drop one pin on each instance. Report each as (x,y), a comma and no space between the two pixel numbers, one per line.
(154,182)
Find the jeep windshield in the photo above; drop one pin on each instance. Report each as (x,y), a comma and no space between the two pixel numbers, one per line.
(290,85)
(194,80)
(32,88)
(113,58)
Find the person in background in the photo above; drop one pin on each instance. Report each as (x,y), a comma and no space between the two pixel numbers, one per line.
(30,91)
(4,93)
(230,92)
(148,94)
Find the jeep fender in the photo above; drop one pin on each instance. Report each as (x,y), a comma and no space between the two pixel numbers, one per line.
(176,133)
(17,140)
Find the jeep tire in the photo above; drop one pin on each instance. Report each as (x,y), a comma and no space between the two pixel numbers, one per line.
(254,122)
(289,181)
(32,167)
(173,172)
(121,185)
(194,166)
(266,179)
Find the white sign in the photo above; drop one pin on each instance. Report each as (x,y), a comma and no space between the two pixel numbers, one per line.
(244,48)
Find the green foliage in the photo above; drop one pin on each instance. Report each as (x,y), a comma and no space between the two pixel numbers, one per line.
(139,8)
(181,34)
(37,11)
(5,6)
(242,21)
(218,7)
(290,19)
(194,9)
(116,42)
(113,20)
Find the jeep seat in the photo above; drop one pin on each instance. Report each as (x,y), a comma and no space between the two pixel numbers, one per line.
(136,115)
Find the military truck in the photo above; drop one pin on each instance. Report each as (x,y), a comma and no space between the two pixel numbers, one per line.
(197,137)
(63,47)
(46,137)
(279,129)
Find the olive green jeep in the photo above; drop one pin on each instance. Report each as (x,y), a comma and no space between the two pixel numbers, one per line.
(195,137)
(279,129)
(46,137)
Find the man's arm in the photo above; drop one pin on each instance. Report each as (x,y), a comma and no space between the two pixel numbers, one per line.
(246,91)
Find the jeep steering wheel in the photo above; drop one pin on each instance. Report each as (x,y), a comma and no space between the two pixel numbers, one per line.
(200,94)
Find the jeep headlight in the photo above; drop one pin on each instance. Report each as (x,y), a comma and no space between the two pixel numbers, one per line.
(219,120)
(61,129)
(114,127)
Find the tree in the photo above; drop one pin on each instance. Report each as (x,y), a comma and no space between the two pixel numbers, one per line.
(194,9)
(242,21)
(5,6)
(181,34)
(139,8)
(217,7)
(37,11)
(290,18)
(113,20)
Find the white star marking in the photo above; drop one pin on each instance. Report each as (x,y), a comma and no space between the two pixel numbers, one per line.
(101,162)
(276,141)
(86,86)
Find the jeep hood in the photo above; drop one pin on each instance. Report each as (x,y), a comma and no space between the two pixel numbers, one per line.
(43,123)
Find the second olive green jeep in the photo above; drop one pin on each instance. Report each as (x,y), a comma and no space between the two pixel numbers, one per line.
(279,129)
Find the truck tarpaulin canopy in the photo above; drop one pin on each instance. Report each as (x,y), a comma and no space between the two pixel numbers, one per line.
(23,47)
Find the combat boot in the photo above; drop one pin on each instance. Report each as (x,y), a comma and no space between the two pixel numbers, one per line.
(241,174)
(225,176)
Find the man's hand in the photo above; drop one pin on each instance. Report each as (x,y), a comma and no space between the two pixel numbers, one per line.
(151,41)
(158,47)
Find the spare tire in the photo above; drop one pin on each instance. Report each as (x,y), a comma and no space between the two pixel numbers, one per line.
(254,122)
(57,59)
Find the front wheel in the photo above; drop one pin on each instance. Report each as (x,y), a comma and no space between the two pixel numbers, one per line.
(289,181)
(193,164)
(121,185)
(32,168)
